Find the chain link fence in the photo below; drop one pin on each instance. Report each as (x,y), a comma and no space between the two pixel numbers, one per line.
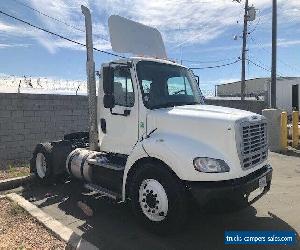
(41,85)
(44,85)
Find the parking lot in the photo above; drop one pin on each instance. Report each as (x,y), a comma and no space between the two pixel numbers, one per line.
(113,226)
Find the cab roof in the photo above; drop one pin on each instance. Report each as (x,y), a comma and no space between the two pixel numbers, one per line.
(148,59)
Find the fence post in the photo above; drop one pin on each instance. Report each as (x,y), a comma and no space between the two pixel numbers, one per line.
(295,129)
(283,131)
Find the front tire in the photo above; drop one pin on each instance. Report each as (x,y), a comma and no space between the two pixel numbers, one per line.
(158,198)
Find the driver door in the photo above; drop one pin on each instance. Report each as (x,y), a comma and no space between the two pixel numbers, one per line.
(119,125)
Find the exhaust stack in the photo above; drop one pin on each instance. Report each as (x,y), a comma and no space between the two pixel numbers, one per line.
(91,81)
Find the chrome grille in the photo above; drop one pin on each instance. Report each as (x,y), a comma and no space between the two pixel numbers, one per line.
(254,146)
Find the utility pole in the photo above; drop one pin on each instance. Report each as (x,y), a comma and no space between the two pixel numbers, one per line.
(244,48)
(274,55)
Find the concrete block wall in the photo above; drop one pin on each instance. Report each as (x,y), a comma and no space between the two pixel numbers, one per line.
(27,119)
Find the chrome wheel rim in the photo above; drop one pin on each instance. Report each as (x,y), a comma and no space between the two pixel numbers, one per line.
(41,165)
(153,200)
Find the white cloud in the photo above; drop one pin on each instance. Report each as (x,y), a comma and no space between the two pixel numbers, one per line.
(288,43)
(7,45)
(69,12)
(182,22)
(66,11)
(12,29)
(281,42)
(6,27)
(291,9)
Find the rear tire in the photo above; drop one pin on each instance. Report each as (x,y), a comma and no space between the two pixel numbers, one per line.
(158,198)
(41,163)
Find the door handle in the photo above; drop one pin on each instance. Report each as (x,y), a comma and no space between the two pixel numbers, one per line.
(125,113)
(103,125)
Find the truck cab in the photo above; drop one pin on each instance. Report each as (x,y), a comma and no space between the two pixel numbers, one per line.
(160,146)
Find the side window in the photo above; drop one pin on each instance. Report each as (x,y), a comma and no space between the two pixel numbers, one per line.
(179,85)
(146,84)
(123,88)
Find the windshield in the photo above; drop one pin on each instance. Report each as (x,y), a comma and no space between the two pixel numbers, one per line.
(165,85)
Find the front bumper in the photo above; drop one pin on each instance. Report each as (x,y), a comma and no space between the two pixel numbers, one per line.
(235,189)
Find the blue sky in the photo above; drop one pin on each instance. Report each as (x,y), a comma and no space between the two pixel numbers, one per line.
(193,31)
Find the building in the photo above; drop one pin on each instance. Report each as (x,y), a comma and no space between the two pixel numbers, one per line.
(287,95)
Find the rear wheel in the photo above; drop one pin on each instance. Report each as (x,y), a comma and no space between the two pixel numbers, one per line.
(41,163)
(158,198)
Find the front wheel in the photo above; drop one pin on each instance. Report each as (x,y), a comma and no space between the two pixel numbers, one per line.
(158,198)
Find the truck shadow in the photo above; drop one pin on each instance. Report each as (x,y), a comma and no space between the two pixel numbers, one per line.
(113,226)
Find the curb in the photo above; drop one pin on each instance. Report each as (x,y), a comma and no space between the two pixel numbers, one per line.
(15,182)
(62,232)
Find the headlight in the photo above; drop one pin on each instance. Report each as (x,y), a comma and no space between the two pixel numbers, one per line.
(208,165)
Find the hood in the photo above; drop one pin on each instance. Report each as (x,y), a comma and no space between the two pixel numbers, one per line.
(209,126)
(204,113)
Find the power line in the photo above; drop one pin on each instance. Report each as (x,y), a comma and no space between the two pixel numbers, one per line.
(60,36)
(259,66)
(215,61)
(46,15)
(262,67)
(219,66)
(262,63)
(55,19)
(279,59)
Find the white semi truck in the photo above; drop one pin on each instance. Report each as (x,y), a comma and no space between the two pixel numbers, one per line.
(159,146)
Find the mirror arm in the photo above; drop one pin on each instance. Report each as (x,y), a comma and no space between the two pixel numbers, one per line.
(198,80)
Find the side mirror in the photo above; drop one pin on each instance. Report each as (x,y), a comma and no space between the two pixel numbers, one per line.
(108,80)
(108,87)
(109,101)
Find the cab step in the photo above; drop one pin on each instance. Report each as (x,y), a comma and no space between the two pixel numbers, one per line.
(106,164)
(103,191)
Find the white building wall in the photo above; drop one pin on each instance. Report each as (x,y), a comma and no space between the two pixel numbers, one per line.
(259,86)
(253,86)
(284,96)
(284,93)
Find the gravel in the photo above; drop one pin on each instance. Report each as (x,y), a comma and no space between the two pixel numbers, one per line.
(18,230)
(14,172)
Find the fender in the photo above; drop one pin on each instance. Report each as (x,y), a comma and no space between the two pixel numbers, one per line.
(176,151)
(137,153)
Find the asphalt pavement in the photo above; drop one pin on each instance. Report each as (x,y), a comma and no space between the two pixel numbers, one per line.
(112,225)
